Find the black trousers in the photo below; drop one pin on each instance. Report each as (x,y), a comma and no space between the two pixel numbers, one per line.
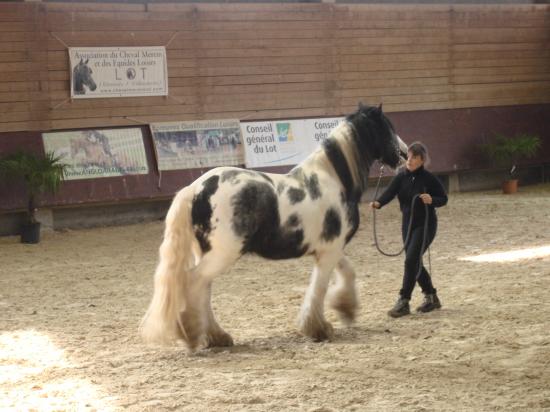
(413,260)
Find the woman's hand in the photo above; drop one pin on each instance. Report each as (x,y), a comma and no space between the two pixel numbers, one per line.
(426,198)
(375,205)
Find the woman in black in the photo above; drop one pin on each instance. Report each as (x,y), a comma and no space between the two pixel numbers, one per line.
(415,180)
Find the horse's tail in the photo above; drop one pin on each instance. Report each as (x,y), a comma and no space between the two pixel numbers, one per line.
(162,322)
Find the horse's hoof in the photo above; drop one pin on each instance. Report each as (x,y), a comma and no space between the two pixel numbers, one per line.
(220,340)
(319,333)
(326,333)
(193,335)
(192,347)
(346,312)
(346,305)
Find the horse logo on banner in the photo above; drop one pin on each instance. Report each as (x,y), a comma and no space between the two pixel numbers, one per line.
(82,76)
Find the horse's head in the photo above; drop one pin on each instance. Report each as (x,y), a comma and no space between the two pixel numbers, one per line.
(82,76)
(75,147)
(378,136)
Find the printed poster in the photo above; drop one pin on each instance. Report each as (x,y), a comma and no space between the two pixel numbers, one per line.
(99,153)
(118,72)
(198,144)
(284,142)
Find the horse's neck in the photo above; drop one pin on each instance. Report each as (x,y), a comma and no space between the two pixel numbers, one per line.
(319,160)
(315,161)
(343,156)
(78,85)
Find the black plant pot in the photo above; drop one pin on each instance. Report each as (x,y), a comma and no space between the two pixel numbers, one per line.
(30,232)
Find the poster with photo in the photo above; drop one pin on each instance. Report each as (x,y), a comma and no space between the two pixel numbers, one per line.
(99,153)
(284,142)
(118,72)
(198,144)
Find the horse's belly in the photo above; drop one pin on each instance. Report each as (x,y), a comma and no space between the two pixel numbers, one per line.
(279,244)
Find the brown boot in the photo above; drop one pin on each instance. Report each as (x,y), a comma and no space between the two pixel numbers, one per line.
(401,308)
(431,302)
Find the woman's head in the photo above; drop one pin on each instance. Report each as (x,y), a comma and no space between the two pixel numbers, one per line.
(417,156)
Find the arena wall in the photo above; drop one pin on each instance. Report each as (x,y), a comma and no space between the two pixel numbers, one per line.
(449,75)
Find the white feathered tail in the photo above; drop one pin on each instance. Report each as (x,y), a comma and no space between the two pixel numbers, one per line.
(162,323)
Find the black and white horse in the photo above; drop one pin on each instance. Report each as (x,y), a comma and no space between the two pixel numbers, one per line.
(227,212)
(82,76)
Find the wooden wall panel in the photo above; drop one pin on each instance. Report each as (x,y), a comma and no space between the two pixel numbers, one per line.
(265,61)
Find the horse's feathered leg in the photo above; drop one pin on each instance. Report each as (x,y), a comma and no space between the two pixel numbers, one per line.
(343,296)
(215,335)
(197,318)
(312,321)
(161,323)
(193,318)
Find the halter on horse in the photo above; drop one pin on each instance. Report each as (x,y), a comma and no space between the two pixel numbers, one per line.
(227,212)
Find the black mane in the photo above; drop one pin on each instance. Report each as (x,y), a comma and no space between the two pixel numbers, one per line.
(373,139)
(337,159)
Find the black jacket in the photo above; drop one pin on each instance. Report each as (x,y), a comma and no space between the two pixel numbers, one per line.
(405,185)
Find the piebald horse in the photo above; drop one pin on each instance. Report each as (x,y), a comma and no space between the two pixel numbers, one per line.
(227,212)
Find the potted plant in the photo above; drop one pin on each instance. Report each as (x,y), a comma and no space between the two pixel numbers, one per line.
(507,151)
(40,173)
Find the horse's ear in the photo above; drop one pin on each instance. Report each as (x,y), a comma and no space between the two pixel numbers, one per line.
(380,108)
(80,61)
(361,106)
(86,62)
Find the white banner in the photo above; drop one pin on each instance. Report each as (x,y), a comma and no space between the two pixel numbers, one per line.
(197,144)
(99,153)
(284,142)
(118,71)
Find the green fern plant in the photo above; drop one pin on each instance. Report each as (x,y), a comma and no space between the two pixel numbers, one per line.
(508,151)
(39,173)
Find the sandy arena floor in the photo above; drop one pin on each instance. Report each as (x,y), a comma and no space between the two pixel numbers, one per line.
(70,306)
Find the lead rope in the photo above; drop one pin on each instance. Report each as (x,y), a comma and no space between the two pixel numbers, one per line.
(407,237)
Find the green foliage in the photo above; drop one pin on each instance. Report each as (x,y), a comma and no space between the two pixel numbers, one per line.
(507,151)
(40,174)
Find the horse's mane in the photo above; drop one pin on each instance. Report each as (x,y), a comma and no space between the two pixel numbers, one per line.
(353,146)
